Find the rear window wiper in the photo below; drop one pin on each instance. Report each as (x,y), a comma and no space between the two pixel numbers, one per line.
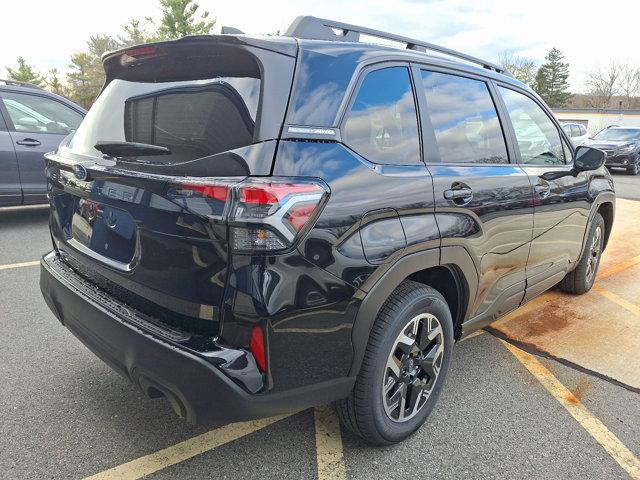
(130,149)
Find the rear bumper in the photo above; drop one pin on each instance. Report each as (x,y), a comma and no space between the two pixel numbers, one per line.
(198,390)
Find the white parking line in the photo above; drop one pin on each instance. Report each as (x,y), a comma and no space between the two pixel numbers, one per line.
(613,446)
(329,453)
(19,265)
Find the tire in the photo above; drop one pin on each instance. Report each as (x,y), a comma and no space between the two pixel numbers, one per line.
(581,279)
(368,411)
(633,170)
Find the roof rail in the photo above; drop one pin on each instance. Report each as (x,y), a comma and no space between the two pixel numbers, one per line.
(314,28)
(16,83)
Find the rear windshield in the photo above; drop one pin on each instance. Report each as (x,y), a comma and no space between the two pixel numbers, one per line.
(192,118)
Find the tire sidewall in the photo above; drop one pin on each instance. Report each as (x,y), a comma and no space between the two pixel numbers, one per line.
(428,303)
(598,221)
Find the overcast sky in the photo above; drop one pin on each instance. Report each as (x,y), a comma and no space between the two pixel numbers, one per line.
(589,33)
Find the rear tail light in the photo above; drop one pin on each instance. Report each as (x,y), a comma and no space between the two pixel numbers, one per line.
(265,215)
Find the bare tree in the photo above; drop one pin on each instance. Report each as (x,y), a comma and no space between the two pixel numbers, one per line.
(524,69)
(603,84)
(629,83)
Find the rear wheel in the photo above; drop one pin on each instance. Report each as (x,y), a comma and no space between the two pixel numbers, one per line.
(633,169)
(403,370)
(581,279)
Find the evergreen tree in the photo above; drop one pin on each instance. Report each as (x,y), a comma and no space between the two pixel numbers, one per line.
(25,73)
(136,33)
(181,18)
(87,75)
(54,83)
(551,80)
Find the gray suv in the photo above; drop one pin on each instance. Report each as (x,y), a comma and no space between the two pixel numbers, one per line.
(32,123)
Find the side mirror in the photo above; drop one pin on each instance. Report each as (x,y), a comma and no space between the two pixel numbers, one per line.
(588,158)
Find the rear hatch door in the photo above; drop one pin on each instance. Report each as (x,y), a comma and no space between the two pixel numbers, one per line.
(138,192)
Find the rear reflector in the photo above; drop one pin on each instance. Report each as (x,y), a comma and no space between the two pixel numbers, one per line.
(256,345)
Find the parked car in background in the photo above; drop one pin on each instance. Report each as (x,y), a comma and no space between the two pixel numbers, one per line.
(262,224)
(576,132)
(622,147)
(32,123)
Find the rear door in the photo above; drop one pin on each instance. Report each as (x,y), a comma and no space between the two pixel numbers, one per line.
(10,191)
(37,125)
(482,200)
(561,204)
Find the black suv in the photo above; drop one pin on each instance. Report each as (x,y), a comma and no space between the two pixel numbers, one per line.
(621,146)
(253,225)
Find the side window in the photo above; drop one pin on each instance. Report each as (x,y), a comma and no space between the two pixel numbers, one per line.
(38,114)
(567,129)
(538,138)
(464,119)
(382,124)
(575,131)
(568,153)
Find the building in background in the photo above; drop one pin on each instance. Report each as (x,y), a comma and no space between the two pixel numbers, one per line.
(595,119)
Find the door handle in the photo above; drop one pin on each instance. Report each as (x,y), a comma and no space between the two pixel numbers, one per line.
(460,194)
(542,189)
(28,142)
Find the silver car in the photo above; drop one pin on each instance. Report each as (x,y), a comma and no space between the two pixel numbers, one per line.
(576,132)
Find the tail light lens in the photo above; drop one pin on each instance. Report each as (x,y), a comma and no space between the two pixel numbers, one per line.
(264,215)
(269,215)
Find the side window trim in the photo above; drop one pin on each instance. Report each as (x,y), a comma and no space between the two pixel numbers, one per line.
(431,156)
(552,118)
(352,95)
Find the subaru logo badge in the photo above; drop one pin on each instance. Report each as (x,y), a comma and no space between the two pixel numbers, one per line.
(80,172)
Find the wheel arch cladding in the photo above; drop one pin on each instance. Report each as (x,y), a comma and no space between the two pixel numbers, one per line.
(606,211)
(457,280)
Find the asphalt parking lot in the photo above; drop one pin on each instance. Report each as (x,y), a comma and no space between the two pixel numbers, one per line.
(503,413)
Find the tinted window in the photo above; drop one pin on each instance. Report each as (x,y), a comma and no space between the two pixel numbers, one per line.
(193,119)
(37,114)
(538,138)
(382,124)
(464,119)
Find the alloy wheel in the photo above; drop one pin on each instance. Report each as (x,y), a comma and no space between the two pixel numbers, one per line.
(412,367)
(594,253)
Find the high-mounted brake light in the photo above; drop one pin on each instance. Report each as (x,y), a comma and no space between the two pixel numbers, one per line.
(264,215)
(144,51)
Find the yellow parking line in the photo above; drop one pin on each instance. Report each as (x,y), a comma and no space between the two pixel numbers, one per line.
(471,335)
(617,299)
(330,456)
(614,447)
(19,265)
(183,451)
(619,267)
